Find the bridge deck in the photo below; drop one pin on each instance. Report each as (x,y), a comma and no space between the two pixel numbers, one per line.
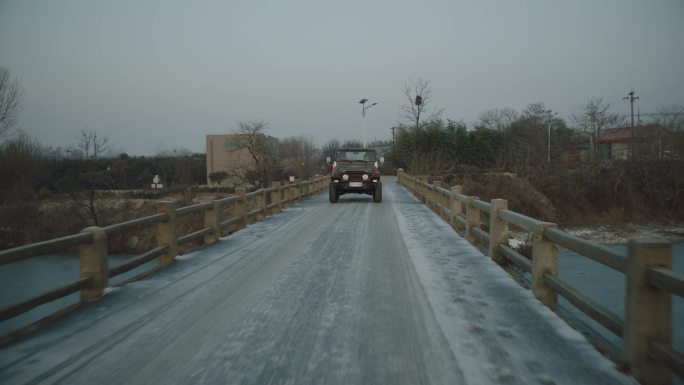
(345,293)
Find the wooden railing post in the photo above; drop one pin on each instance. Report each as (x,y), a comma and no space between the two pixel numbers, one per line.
(287,194)
(212,218)
(648,312)
(93,257)
(436,196)
(166,232)
(426,190)
(419,189)
(260,203)
(472,219)
(498,231)
(275,197)
(455,204)
(544,261)
(241,206)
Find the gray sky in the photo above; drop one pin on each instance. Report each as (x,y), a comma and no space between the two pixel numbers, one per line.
(163,74)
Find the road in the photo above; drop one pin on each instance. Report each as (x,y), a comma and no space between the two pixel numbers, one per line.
(349,293)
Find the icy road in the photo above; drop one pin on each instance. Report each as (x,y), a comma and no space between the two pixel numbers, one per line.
(347,293)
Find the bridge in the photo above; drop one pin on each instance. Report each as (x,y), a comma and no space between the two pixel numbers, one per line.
(422,288)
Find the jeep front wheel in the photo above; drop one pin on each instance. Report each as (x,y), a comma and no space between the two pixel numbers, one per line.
(332,193)
(377,194)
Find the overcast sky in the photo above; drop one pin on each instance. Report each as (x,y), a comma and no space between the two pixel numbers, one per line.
(163,74)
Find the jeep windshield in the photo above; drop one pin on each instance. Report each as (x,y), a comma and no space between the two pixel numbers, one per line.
(355,155)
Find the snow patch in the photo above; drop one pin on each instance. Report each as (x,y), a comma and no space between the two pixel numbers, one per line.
(610,234)
(108,290)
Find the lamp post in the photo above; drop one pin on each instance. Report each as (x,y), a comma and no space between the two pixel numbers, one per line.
(549,115)
(363,117)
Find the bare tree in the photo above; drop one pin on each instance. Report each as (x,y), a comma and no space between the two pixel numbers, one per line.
(300,155)
(89,144)
(329,148)
(11,97)
(418,96)
(671,121)
(499,119)
(593,118)
(261,147)
(352,143)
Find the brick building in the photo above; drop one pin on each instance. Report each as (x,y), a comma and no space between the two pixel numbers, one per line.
(229,154)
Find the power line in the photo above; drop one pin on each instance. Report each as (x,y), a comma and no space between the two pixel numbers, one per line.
(663,89)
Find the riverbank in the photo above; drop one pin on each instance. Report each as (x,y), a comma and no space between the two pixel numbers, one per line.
(621,234)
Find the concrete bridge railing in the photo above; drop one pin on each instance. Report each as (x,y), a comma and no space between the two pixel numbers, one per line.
(645,328)
(220,216)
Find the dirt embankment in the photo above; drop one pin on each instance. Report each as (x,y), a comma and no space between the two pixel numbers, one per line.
(568,202)
(32,221)
(520,194)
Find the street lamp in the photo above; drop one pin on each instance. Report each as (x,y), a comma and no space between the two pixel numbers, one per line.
(363,117)
(549,115)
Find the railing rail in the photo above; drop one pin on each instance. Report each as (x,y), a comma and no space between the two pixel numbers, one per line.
(645,328)
(45,247)
(93,245)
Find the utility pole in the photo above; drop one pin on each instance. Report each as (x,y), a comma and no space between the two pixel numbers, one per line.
(392,128)
(631,99)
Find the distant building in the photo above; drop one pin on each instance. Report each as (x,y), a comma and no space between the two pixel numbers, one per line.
(230,162)
(615,143)
(633,142)
(229,154)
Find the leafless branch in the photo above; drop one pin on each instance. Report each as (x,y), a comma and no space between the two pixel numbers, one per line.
(11,96)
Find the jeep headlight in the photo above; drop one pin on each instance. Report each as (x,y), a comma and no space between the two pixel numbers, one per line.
(345,177)
(365,177)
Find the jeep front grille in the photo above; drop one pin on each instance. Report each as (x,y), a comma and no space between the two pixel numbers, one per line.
(356,176)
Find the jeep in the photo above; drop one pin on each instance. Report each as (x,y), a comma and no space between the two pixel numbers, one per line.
(355,171)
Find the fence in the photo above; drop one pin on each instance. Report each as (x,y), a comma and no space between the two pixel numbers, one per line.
(92,241)
(645,329)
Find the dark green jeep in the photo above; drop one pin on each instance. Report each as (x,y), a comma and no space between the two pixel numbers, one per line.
(355,171)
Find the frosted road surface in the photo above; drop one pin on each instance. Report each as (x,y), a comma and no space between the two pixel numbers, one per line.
(347,293)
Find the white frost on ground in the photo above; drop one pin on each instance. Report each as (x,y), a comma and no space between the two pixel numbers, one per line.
(497,330)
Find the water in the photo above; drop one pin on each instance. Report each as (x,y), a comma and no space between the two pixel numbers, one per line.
(25,279)
(607,287)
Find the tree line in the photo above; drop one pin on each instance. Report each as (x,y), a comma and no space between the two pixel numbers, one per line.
(534,143)
(569,162)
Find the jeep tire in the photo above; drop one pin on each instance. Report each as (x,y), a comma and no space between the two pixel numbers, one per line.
(377,194)
(332,193)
